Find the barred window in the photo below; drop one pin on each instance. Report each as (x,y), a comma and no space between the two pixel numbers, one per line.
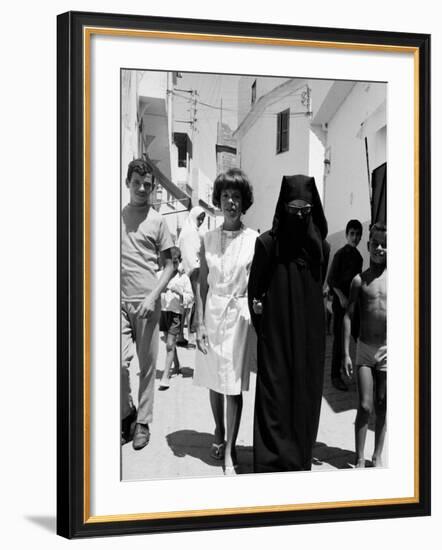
(282,131)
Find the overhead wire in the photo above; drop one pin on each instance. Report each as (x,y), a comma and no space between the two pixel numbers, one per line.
(243,112)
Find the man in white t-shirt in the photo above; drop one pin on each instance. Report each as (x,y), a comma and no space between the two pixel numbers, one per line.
(144,235)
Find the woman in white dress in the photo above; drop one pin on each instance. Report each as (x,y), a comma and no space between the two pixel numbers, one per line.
(226,340)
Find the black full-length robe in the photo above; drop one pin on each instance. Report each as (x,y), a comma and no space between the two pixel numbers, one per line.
(287,275)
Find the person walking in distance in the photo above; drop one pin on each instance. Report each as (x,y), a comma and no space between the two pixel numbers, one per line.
(347,262)
(189,243)
(174,300)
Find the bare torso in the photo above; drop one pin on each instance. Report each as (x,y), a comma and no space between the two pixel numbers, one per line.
(373,307)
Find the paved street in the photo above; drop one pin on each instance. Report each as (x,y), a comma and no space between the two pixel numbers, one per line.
(182,430)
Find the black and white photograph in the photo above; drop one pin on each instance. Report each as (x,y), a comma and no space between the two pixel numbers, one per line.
(196,302)
(223,274)
(253,279)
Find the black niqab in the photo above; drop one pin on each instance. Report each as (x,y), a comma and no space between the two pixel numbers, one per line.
(295,237)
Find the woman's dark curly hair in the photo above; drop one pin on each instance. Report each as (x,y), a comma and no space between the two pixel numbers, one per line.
(233,179)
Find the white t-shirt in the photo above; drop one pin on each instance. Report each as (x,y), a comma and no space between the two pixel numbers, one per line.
(144,234)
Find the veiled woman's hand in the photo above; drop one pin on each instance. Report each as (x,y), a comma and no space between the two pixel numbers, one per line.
(257,307)
(202,340)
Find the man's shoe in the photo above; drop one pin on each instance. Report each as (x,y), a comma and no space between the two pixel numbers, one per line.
(127,426)
(141,436)
(339,384)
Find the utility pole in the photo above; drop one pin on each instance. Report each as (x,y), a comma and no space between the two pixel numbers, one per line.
(192,172)
(193,113)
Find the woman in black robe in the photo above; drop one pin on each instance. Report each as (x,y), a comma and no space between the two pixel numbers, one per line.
(287,309)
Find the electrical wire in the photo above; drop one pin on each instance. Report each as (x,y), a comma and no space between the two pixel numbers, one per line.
(243,112)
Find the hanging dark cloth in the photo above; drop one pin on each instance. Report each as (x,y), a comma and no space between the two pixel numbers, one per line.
(287,274)
(379,194)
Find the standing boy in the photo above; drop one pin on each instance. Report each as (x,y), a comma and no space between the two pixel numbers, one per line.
(347,262)
(144,234)
(369,290)
(174,300)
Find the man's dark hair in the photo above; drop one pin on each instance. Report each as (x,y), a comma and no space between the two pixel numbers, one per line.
(140,166)
(233,179)
(354,224)
(378,226)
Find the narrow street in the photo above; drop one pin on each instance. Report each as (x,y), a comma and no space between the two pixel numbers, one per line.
(182,430)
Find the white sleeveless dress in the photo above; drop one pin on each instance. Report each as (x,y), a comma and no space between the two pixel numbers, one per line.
(232,339)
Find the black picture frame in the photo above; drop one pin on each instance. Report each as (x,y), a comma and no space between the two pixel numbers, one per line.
(73,518)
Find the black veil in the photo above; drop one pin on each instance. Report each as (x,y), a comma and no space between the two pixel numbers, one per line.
(294,239)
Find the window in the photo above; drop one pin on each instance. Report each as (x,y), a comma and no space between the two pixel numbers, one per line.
(282,131)
(184,146)
(253,92)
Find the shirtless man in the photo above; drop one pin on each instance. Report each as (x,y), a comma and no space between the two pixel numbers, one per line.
(370,290)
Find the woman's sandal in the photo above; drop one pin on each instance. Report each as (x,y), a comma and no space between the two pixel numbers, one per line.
(231,470)
(217,451)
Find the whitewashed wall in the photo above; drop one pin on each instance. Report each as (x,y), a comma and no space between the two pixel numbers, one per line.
(264,167)
(346,185)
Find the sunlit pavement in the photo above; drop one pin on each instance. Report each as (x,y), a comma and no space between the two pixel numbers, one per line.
(182,429)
